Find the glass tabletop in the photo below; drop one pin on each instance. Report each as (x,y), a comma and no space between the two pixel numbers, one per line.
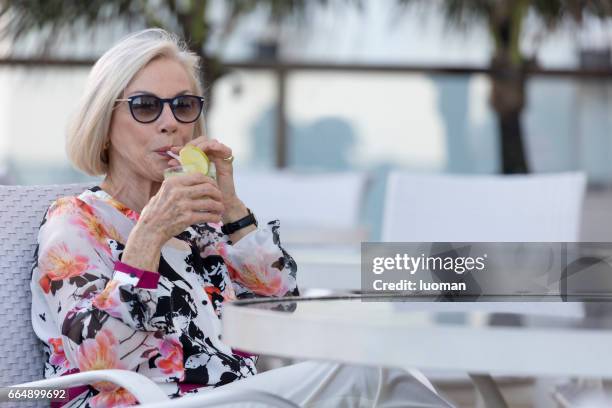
(388,330)
(397,310)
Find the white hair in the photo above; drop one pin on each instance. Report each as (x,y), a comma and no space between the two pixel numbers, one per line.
(87,138)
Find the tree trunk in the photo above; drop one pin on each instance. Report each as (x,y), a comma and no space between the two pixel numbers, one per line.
(512,147)
(508,100)
(509,79)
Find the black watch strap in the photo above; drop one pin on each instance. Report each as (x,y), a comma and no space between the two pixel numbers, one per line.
(240,224)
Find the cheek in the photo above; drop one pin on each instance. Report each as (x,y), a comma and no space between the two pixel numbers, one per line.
(129,138)
(188,132)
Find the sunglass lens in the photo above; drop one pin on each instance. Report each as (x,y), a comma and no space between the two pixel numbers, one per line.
(146,108)
(187,108)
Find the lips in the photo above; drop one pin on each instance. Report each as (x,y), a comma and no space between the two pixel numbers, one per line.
(163,149)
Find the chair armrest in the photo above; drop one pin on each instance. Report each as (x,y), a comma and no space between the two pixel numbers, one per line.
(141,387)
(219,396)
(489,391)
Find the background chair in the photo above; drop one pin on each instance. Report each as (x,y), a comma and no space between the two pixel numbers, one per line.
(21,357)
(533,208)
(320,218)
(312,207)
(449,208)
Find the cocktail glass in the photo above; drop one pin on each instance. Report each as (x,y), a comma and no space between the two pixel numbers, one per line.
(188,168)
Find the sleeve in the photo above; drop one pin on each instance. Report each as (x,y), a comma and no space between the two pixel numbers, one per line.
(105,310)
(259,266)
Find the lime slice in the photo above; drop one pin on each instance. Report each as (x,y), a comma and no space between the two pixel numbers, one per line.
(193,156)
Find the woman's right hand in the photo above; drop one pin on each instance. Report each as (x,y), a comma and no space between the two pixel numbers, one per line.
(181,201)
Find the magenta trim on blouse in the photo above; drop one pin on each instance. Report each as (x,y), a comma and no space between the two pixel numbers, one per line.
(73,392)
(188,387)
(242,353)
(146,279)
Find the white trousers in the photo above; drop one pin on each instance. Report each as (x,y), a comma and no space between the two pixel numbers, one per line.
(315,384)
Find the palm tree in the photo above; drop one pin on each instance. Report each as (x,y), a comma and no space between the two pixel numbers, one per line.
(189,18)
(509,66)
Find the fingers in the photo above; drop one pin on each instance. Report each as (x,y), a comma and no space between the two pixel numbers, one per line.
(204,195)
(200,217)
(207,204)
(218,149)
(192,186)
(190,179)
(178,204)
(212,147)
(188,212)
(204,190)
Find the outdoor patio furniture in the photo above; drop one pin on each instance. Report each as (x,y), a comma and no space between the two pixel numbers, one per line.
(486,208)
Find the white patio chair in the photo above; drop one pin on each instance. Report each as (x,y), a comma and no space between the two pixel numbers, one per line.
(451,208)
(448,208)
(21,357)
(535,208)
(320,221)
(313,207)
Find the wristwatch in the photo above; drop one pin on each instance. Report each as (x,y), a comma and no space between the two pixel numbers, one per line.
(232,227)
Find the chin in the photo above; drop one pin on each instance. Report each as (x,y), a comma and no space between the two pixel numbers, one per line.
(156,172)
(158,175)
(158,178)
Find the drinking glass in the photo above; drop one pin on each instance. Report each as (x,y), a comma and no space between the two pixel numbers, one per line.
(176,170)
(189,168)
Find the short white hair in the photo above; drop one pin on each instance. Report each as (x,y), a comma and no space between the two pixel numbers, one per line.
(111,74)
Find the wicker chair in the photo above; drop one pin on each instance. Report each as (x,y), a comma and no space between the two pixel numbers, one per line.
(21,357)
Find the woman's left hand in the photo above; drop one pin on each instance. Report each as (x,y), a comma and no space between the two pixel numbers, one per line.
(217,152)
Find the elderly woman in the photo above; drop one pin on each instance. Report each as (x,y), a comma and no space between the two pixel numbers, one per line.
(131,274)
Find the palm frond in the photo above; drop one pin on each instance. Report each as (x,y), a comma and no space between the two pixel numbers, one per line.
(52,16)
(458,13)
(462,13)
(279,10)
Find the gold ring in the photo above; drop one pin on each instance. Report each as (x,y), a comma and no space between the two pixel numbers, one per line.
(229,159)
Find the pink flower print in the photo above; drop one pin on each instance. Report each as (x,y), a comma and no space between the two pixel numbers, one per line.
(59,264)
(106,301)
(93,229)
(100,353)
(171,361)
(113,399)
(58,357)
(258,275)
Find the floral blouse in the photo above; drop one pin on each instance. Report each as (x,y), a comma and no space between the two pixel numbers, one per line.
(93,312)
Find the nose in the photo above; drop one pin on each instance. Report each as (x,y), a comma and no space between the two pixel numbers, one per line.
(166,122)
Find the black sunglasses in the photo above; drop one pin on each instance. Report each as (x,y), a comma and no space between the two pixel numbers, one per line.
(147,108)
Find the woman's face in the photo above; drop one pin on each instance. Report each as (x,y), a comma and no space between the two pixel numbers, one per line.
(138,149)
